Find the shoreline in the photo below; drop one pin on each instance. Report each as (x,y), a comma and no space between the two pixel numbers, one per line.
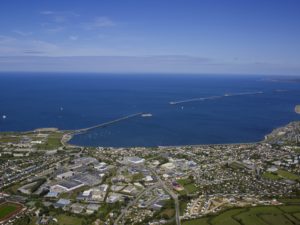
(297,109)
(69,134)
(166,146)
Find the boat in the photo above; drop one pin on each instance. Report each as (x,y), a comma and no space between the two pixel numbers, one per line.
(146,115)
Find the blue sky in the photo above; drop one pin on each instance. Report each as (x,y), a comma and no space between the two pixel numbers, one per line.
(172,36)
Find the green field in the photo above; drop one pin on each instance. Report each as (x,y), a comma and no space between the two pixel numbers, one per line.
(189,186)
(168,213)
(290,201)
(13,189)
(69,220)
(287,175)
(137,177)
(289,208)
(183,206)
(236,165)
(281,174)
(296,149)
(202,221)
(4,139)
(261,215)
(53,142)
(6,209)
(254,215)
(271,176)
(297,215)
(227,217)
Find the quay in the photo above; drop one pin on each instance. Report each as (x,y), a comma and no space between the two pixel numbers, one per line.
(68,136)
(107,123)
(214,97)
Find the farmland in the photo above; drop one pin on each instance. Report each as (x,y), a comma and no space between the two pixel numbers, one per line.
(261,215)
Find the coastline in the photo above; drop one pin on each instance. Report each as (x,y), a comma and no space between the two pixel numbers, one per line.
(67,136)
(297,109)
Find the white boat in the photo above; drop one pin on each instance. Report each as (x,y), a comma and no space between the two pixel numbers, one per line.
(146,115)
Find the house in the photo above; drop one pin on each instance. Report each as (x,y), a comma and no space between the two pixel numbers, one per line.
(77,208)
(62,203)
(51,194)
(91,208)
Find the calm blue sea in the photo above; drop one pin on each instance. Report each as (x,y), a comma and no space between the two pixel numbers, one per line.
(72,101)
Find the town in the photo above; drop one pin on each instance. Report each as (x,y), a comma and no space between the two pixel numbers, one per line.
(44,180)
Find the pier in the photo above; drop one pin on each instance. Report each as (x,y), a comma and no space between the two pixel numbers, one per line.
(214,97)
(67,137)
(83,130)
(194,100)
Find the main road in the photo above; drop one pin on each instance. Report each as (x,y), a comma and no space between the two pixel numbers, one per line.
(133,202)
(171,193)
(165,187)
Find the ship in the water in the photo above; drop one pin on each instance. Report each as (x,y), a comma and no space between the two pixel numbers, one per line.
(146,115)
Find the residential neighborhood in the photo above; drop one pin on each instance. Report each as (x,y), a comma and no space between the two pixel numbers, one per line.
(51,183)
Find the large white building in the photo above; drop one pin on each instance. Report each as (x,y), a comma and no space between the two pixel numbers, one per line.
(66,186)
(134,160)
(65,175)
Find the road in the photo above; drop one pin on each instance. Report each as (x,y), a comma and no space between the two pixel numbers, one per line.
(133,203)
(171,193)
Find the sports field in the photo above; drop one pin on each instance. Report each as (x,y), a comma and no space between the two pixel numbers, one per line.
(8,209)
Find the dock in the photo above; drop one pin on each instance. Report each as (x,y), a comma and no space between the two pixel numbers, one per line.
(83,130)
(214,97)
(68,136)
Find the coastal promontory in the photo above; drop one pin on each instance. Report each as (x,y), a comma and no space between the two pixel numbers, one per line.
(297,109)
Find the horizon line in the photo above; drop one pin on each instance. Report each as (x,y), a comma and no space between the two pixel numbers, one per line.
(145,73)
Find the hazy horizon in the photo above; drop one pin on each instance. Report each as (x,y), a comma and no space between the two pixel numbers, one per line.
(194,37)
